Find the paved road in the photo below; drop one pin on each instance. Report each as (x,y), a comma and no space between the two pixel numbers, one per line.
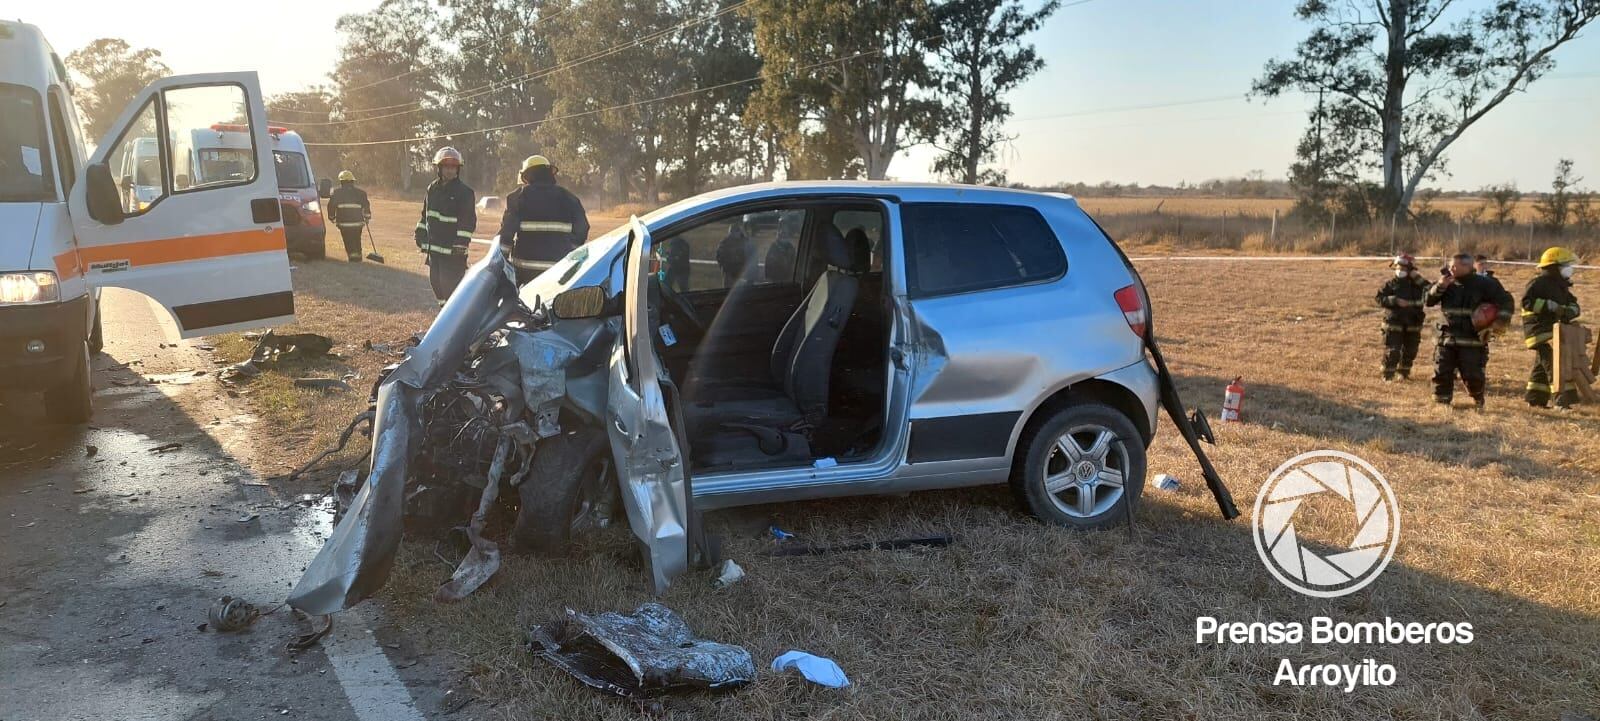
(109,562)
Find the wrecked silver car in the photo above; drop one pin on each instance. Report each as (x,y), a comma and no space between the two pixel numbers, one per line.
(767,343)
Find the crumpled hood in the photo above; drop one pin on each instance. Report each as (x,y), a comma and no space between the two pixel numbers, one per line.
(19,226)
(356,560)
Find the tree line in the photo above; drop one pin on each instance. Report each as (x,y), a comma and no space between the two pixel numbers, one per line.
(640,99)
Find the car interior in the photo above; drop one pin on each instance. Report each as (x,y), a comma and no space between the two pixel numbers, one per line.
(774,324)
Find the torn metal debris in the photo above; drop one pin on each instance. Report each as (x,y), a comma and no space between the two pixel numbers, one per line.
(647,653)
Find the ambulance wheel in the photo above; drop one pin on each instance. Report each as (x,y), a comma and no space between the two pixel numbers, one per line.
(69,402)
(97,338)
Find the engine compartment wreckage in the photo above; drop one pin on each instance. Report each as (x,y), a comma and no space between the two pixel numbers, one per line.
(471,407)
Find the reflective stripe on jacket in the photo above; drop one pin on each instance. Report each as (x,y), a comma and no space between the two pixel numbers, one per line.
(348,206)
(1547,300)
(542,223)
(1410,288)
(1459,300)
(448,218)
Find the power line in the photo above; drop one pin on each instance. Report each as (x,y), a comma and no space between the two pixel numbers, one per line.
(535,75)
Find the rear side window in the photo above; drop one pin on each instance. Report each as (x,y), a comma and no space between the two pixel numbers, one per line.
(962,247)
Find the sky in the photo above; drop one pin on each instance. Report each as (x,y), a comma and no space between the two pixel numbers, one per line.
(1131,91)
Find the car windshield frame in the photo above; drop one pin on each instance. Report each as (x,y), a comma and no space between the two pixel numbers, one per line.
(296,158)
(46,192)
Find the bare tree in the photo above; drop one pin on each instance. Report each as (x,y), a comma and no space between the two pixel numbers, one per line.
(1414,85)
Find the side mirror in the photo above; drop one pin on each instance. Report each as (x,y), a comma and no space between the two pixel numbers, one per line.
(324,188)
(105,204)
(586,302)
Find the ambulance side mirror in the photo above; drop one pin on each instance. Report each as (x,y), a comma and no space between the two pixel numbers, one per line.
(324,188)
(105,204)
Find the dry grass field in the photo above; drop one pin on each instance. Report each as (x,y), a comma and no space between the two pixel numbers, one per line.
(1501,528)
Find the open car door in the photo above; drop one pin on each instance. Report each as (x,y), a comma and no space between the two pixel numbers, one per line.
(192,225)
(648,457)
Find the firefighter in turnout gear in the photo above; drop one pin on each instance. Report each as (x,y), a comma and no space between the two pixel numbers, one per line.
(543,222)
(1548,300)
(448,218)
(1402,299)
(351,211)
(1458,293)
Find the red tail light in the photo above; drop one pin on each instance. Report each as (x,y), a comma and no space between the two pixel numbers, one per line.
(1133,309)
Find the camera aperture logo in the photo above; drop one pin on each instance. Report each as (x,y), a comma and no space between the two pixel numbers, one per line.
(1330,474)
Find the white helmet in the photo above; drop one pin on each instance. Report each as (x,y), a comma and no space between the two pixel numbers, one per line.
(447,153)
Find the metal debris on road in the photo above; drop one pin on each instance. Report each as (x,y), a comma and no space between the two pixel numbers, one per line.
(894,544)
(230,614)
(323,384)
(165,447)
(646,654)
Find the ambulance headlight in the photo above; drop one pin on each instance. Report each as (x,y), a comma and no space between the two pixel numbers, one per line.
(313,206)
(30,287)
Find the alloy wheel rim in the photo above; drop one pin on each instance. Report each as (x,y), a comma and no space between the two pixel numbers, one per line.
(1086,470)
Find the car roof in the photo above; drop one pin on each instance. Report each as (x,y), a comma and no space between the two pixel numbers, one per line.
(911,192)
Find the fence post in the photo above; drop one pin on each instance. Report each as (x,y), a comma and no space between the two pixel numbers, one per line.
(1224,225)
(1392,219)
(1530,240)
(1458,235)
(1274,234)
(1333,230)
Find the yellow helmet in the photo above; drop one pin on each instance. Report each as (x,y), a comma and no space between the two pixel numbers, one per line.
(535,161)
(1557,256)
(346,176)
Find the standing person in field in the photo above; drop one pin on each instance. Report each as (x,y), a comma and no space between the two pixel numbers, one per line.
(1458,293)
(543,222)
(1548,300)
(351,212)
(448,219)
(1402,298)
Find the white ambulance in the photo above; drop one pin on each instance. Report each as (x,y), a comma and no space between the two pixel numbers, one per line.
(212,253)
(218,153)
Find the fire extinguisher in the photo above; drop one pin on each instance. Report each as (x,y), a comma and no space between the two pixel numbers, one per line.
(1233,400)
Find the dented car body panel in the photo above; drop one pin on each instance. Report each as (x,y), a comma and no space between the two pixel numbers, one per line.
(962,375)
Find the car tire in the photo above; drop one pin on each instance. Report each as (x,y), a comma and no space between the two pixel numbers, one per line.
(69,402)
(571,488)
(1080,466)
(97,337)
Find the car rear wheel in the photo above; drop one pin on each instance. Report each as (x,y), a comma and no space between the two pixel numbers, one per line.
(571,489)
(69,402)
(1080,467)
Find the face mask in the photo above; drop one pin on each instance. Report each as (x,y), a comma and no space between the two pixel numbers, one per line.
(1566,272)
(1401,272)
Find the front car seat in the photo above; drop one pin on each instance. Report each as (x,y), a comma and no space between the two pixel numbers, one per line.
(802,357)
